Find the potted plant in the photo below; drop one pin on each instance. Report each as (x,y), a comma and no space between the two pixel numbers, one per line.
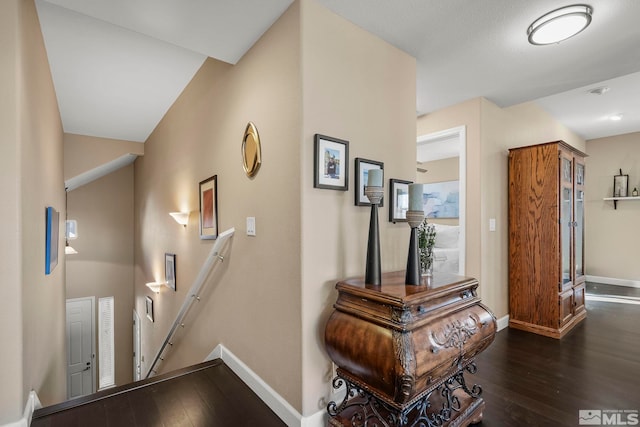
(426,241)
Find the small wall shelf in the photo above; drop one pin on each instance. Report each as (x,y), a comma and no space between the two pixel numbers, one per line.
(615,200)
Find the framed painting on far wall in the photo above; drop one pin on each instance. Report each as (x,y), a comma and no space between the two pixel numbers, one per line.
(330,163)
(209,208)
(441,199)
(620,185)
(149,308)
(170,270)
(362,176)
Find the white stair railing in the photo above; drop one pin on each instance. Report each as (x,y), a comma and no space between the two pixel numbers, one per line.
(193,295)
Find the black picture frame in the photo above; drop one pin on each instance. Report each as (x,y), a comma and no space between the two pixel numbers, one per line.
(170,270)
(362,167)
(398,200)
(330,163)
(149,308)
(621,185)
(208,191)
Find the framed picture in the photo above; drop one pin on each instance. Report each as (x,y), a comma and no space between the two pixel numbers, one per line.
(362,175)
(209,208)
(170,270)
(620,185)
(149,308)
(331,163)
(52,218)
(441,199)
(399,200)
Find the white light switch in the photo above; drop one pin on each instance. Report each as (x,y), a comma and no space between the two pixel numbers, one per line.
(251,226)
(492,224)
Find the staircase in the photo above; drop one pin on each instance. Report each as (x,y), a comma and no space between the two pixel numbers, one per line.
(206,394)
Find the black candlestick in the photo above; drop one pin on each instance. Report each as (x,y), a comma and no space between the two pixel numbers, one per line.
(373,275)
(412,277)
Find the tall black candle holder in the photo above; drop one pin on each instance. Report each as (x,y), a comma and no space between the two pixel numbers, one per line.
(414,218)
(373,275)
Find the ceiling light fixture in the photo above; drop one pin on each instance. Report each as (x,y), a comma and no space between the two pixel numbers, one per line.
(616,117)
(560,24)
(600,90)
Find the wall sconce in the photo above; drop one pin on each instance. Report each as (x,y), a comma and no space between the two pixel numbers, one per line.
(181,218)
(155,286)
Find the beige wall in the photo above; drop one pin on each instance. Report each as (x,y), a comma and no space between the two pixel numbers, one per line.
(32,305)
(361,89)
(104,264)
(252,303)
(44,352)
(612,236)
(259,303)
(83,153)
(11,328)
(440,170)
(491,131)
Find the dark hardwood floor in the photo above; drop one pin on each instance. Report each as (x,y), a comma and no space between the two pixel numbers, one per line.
(531,380)
(527,380)
(210,396)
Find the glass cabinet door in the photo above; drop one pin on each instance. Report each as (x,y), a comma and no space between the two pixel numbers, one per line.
(566,219)
(579,221)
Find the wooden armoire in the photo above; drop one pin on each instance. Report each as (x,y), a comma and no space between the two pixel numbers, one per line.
(546,238)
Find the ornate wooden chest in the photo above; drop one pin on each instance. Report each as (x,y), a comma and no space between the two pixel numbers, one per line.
(402,351)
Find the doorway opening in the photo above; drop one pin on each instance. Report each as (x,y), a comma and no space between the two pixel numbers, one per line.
(437,146)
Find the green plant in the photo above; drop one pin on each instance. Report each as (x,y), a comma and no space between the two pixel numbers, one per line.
(426,241)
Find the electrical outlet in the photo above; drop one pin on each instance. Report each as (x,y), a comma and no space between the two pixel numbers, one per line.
(251,226)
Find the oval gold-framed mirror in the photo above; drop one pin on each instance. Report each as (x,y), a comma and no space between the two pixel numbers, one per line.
(251,150)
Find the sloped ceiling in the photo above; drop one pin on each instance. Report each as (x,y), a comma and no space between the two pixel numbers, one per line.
(118,65)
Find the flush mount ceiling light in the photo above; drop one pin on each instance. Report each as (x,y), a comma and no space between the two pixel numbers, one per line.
(599,90)
(616,117)
(559,24)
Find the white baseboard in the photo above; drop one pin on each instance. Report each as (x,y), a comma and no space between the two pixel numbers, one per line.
(33,403)
(269,396)
(503,322)
(613,281)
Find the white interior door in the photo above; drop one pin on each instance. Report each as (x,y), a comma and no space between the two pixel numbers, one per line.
(137,363)
(80,347)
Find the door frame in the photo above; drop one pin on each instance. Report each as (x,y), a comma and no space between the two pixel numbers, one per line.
(137,347)
(94,371)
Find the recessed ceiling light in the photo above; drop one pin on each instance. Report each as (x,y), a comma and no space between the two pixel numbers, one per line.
(560,24)
(600,90)
(616,117)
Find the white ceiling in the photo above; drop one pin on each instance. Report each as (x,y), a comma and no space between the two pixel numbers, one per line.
(118,65)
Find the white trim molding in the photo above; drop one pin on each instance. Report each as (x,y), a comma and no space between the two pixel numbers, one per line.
(503,322)
(32,404)
(269,396)
(613,281)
